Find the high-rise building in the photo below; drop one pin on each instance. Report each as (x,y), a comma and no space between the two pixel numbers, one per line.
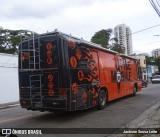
(156,53)
(123,33)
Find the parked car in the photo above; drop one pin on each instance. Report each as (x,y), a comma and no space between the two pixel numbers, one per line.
(156,79)
(144,83)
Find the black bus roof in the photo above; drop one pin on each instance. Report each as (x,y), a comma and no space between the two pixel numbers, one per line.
(98,46)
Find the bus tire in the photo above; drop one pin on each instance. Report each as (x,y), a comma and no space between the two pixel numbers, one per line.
(134,90)
(102,99)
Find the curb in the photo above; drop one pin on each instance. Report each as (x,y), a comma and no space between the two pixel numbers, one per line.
(9,105)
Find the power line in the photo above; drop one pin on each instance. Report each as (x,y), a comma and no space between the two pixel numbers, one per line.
(155,4)
(145,29)
(140,31)
(150,43)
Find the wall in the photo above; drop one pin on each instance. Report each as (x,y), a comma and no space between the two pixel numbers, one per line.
(8,78)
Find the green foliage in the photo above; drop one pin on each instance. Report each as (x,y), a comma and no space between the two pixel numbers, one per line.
(153,61)
(117,47)
(9,40)
(150,60)
(102,37)
(157,62)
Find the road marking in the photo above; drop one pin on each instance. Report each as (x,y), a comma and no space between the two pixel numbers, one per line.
(15,118)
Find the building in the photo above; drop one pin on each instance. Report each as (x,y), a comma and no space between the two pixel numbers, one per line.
(9,78)
(156,53)
(123,33)
(151,70)
(142,60)
(144,54)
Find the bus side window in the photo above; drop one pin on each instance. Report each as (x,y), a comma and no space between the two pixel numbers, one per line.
(122,75)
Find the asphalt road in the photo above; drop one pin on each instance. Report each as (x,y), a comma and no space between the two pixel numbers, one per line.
(117,113)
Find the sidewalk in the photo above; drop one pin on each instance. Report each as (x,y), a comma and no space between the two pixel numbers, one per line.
(148,119)
(8,105)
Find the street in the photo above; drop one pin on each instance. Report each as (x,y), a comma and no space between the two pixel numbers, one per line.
(117,113)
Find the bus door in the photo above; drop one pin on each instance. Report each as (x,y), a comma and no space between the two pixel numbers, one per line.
(120,76)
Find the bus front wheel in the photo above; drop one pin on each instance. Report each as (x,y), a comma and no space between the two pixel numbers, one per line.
(102,99)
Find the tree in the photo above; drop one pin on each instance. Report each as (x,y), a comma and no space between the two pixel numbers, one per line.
(10,39)
(117,47)
(102,37)
(150,60)
(153,61)
(157,62)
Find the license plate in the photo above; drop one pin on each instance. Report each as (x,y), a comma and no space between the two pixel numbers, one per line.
(39,105)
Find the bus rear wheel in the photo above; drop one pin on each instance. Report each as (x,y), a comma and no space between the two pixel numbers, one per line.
(102,99)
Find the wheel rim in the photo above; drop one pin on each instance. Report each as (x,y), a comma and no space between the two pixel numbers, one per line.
(134,90)
(103,99)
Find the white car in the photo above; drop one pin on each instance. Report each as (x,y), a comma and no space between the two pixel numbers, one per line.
(156,79)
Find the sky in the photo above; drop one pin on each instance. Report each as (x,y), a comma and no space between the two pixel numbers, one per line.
(83,18)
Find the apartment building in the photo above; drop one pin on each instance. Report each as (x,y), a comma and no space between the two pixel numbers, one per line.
(156,53)
(123,33)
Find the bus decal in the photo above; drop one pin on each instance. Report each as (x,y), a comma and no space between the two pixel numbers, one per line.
(78,54)
(71,44)
(74,88)
(73,62)
(51,92)
(86,58)
(92,90)
(25,56)
(84,97)
(80,75)
(89,78)
(49,47)
(50,85)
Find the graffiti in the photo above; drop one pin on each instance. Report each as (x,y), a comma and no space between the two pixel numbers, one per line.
(50,77)
(49,53)
(78,54)
(71,44)
(80,75)
(25,56)
(84,98)
(94,94)
(86,60)
(74,88)
(50,85)
(89,78)
(92,74)
(51,92)
(73,62)
(92,90)
(49,46)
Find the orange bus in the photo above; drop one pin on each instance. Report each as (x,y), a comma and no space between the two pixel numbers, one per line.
(61,72)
